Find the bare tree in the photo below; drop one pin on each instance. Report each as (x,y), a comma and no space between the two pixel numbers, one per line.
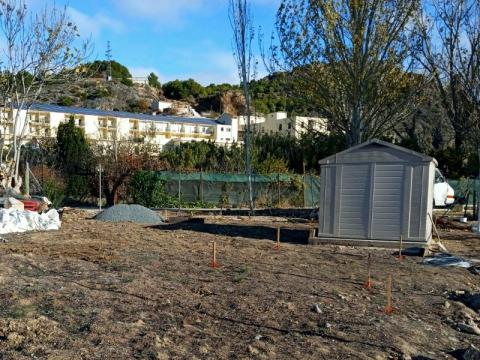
(351,59)
(450,34)
(39,50)
(242,25)
(119,162)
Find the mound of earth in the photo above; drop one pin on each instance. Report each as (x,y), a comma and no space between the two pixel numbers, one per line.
(134,213)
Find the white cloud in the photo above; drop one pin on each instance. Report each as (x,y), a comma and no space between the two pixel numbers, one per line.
(93,24)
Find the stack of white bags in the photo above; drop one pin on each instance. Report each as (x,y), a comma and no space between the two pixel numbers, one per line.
(17,220)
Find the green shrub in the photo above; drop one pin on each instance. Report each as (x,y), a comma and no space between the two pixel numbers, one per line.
(127,81)
(102,92)
(145,188)
(55,192)
(148,190)
(78,187)
(65,101)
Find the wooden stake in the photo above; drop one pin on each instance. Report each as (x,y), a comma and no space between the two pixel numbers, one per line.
(277,245)
(389,307)
(214,263)
(368,284)
(400,256)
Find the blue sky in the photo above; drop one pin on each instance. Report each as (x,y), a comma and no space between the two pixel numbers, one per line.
(173,38)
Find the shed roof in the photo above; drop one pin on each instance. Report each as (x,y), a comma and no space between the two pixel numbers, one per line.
(120,114)
(334,158)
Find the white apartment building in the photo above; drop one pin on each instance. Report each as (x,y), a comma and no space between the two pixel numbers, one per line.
(281,123)
(108,126)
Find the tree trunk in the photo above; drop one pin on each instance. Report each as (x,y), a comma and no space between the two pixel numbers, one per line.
(354,137)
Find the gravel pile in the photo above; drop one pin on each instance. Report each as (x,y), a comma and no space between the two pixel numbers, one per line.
(134,213)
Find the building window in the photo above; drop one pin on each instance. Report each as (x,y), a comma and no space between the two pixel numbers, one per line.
(280,127)
(289,126)
(221,129)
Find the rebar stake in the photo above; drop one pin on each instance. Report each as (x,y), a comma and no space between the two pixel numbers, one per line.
(368,284)
(214,263)
(400,256)
(277,245)
(389,308)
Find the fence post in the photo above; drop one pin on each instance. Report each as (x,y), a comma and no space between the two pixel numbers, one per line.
(304,178)
(179,189)
(278,190)
(474,200)
(201,185)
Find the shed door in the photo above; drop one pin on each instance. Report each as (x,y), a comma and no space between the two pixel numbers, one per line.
(387,201)
(354,201)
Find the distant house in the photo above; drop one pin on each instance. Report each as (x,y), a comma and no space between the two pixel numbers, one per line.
(161,106)
(108,126)
(281,123)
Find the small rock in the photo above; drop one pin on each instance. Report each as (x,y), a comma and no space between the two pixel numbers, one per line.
(343,297)
(253,350)
(447,304)
(290,306)
(472,353)
(316,308)
(469,328)
(258,337)
(328,325)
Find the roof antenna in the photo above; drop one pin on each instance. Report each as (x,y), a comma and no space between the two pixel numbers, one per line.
(108,54)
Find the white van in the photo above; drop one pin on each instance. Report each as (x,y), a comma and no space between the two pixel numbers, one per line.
(443,193)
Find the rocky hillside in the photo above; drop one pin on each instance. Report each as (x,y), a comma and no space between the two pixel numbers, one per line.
(104,95)
(114,95)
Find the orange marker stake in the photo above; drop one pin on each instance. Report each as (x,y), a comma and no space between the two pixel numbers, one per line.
(277,245)
(368,284)
(214,263)
(400,256)
(389,307)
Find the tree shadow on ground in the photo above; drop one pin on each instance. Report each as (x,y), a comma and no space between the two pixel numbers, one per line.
(263,232)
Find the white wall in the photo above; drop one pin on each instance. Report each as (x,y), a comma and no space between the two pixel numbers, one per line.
(123,128)
(161,105)
(91,126)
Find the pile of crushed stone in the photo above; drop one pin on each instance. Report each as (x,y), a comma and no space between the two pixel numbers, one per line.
(134,213)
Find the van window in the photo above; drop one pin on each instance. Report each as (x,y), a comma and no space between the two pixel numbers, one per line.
(439,178)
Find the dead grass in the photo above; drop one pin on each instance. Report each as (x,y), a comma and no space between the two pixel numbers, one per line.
(98,291)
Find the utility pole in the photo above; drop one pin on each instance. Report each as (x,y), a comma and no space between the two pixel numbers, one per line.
(108,54)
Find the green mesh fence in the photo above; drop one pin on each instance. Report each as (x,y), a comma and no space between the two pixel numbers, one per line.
(231,190)
(467,188)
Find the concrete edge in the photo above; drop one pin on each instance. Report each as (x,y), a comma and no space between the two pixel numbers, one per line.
(313,240)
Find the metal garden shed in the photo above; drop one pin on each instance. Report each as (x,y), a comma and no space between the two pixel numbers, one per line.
(374,193)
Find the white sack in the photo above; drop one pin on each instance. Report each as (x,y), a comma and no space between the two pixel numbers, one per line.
(13,220)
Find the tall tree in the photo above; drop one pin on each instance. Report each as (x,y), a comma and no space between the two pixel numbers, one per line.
(242,25)
(153,81)
(351,58)
(38,50)
(450,39)
(74,158)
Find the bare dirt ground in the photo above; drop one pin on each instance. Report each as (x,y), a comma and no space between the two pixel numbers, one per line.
(98,290)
